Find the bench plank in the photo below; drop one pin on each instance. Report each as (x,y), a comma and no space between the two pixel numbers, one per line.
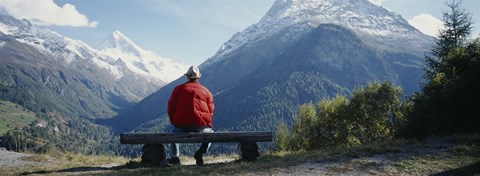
(160,138)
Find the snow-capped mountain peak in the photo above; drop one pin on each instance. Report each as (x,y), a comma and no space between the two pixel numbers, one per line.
(120,36)
(119,41)
(371,22)
(139,60)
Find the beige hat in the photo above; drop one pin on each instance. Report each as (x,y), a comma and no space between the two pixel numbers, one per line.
(193,73)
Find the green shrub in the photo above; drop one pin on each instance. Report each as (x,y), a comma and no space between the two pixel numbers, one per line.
(373,114)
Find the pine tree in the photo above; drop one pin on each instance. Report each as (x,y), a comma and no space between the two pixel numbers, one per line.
(447,103)
(458,26)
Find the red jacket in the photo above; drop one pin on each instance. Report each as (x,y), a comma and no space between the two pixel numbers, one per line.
(190,105)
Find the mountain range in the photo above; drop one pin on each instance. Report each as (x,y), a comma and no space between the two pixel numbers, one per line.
(45,70)
(301,51)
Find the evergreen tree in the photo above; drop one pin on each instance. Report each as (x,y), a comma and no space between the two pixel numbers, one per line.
(447,103)
(458,26)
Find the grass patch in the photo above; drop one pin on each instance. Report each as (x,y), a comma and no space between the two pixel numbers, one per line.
(405,166)
(456,155)
(466,149)
(14,116)
(37,158)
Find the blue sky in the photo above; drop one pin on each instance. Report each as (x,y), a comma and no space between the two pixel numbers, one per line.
(187,31)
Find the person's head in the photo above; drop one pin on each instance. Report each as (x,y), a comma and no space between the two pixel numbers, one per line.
(193,73)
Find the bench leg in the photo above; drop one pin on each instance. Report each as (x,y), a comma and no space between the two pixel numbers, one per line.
(249,151)
(154,154)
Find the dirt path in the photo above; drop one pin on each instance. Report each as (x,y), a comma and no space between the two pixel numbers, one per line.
(360,166)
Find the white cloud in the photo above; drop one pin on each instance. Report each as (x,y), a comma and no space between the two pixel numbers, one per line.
(427,24)
(46,12)
(377,2)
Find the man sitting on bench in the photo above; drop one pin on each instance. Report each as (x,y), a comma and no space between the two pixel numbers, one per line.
(190,109)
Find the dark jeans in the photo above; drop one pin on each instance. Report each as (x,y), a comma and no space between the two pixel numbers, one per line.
(175,148)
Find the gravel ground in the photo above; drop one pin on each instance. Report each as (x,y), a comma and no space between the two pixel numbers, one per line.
(11,159)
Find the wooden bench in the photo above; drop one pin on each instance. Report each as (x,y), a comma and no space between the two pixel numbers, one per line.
(154,152)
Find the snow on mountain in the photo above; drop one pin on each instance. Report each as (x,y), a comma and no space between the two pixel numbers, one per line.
(116,52)
(57,45)
(141,61)
(373,23)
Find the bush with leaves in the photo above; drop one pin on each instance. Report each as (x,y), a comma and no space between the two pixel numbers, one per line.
(374,113)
